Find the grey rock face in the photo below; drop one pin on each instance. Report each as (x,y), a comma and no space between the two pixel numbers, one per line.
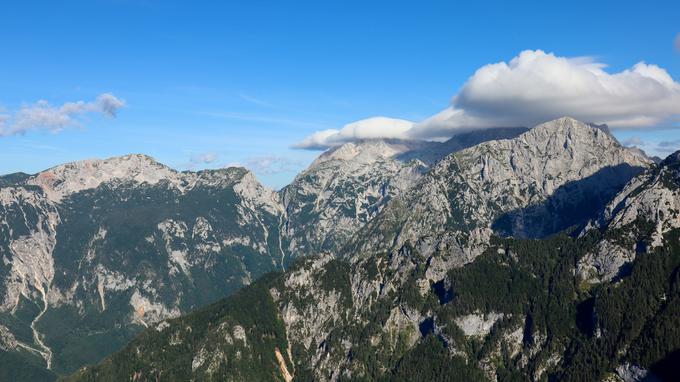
(508,187)
(349,185)
(646,208)
(343,189)
(631,373)
(111,246)
(446,220)
(379,301)
(115,245)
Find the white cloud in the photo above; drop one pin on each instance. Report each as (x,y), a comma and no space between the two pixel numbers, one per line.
(633,141)
(43,116)
(108,104)
(535,87)
(371,128)
(271,165)
(320,140)
(670,144)
(663,148)
(3,121)
(204,158)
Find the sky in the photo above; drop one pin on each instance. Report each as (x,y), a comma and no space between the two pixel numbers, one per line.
(266,85)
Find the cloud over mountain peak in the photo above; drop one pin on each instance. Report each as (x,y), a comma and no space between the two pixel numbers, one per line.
(370,128)
(531,88)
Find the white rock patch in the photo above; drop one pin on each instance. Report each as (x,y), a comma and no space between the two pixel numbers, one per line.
(478,324)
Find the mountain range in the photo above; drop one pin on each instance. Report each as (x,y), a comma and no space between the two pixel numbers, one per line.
(505,254)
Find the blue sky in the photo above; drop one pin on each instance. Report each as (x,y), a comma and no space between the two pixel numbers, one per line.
(240,82)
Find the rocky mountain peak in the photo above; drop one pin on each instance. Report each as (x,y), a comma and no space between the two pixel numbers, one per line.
(67,179)
(344,188)
(604,127)
(549,155)
(252,191)
(647,208)
(671,160)
(73,177)
(570,131)
(406,214)
(549,178)
(369,150)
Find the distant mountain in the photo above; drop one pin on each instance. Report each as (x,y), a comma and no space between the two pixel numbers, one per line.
(434,288)
(343,189)
(99,249)
(434,151)
(95,251)
(348,185)
(556,175)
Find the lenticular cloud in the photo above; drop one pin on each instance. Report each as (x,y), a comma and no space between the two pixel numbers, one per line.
(370,128)
(535,87)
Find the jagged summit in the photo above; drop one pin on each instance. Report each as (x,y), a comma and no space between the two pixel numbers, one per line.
(549,155)
(428,152)
(402,304)
(671,160)
(343,188)
(125,240)
(128,161)
(69,178)
(348,185)
(73,177)
(370,150)
(648,207)
(153,243)
(554,175)
(568,127)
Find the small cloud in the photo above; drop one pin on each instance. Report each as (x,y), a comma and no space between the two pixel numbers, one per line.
(233,164)
(3,121)
(200,160)
(108,104)
(633,141)
(665,148)
(669,144)
(204,158)
(269,165)
(43,116)
(254,100)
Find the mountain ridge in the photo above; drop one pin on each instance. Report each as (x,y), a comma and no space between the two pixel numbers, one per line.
(402,217)
(518,311)
(109,251)
(469,189)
